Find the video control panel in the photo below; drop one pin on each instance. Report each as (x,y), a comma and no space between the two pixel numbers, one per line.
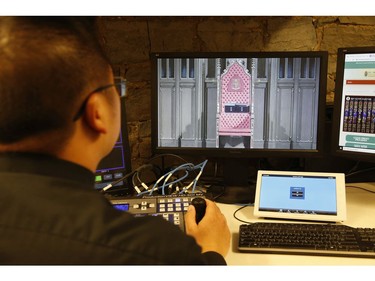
(170,207)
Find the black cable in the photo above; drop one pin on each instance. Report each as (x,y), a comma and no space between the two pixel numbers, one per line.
(239,209)
(168,154)
(360,171)
(219,194)
(162,156)
(353,168)
(358,187)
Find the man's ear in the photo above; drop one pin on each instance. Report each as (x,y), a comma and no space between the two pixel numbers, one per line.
(95,114)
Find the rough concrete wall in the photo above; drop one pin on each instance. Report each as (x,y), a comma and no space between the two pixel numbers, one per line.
(130,40)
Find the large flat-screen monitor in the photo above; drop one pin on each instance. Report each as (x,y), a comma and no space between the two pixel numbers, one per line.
(118,162)
(353,124)
(239,105)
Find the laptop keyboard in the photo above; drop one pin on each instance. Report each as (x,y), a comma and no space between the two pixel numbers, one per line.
(307,239)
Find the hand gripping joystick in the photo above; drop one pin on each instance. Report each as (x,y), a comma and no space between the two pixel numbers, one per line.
(200,208)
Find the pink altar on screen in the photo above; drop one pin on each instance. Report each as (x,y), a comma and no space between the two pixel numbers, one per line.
(235,100)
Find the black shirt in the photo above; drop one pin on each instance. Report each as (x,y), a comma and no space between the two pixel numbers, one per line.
(51,214)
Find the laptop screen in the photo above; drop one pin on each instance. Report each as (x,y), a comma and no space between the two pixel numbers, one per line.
(300,195)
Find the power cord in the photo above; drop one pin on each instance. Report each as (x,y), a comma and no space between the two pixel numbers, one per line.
(358,187)
(239,209)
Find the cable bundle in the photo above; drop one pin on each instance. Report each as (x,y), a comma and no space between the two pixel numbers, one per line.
(170,180)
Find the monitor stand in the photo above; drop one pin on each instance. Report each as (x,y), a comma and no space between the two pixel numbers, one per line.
(238,185)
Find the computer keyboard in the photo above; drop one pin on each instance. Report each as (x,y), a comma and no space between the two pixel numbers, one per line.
(307,239)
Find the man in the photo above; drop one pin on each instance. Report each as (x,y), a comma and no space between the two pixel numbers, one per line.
(59,116)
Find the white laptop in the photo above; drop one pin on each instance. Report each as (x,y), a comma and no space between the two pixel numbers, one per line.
(308,196)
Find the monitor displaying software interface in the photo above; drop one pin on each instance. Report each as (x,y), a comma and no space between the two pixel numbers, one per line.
(254,102)
(118,162)
(357,115)
(112,167)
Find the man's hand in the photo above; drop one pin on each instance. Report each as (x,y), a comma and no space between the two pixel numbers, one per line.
(212,232)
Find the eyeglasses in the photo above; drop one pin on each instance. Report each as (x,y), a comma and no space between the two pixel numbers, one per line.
(97,90)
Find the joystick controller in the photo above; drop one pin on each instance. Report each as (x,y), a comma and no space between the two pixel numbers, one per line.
(200,208)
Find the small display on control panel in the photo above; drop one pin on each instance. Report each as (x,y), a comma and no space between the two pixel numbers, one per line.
(170,207)
(122,207)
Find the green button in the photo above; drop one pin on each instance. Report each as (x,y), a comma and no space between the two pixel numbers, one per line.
(353,138)
(98,178)
(360,145)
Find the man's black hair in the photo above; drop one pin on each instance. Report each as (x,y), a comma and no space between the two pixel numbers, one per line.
(46,65)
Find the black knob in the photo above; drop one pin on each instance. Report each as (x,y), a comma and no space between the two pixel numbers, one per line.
(200,208)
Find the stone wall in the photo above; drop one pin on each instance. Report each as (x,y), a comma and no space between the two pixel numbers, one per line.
(130,40)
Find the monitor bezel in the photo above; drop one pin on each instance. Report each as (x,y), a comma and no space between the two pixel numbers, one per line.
(241,153)
(335,148)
